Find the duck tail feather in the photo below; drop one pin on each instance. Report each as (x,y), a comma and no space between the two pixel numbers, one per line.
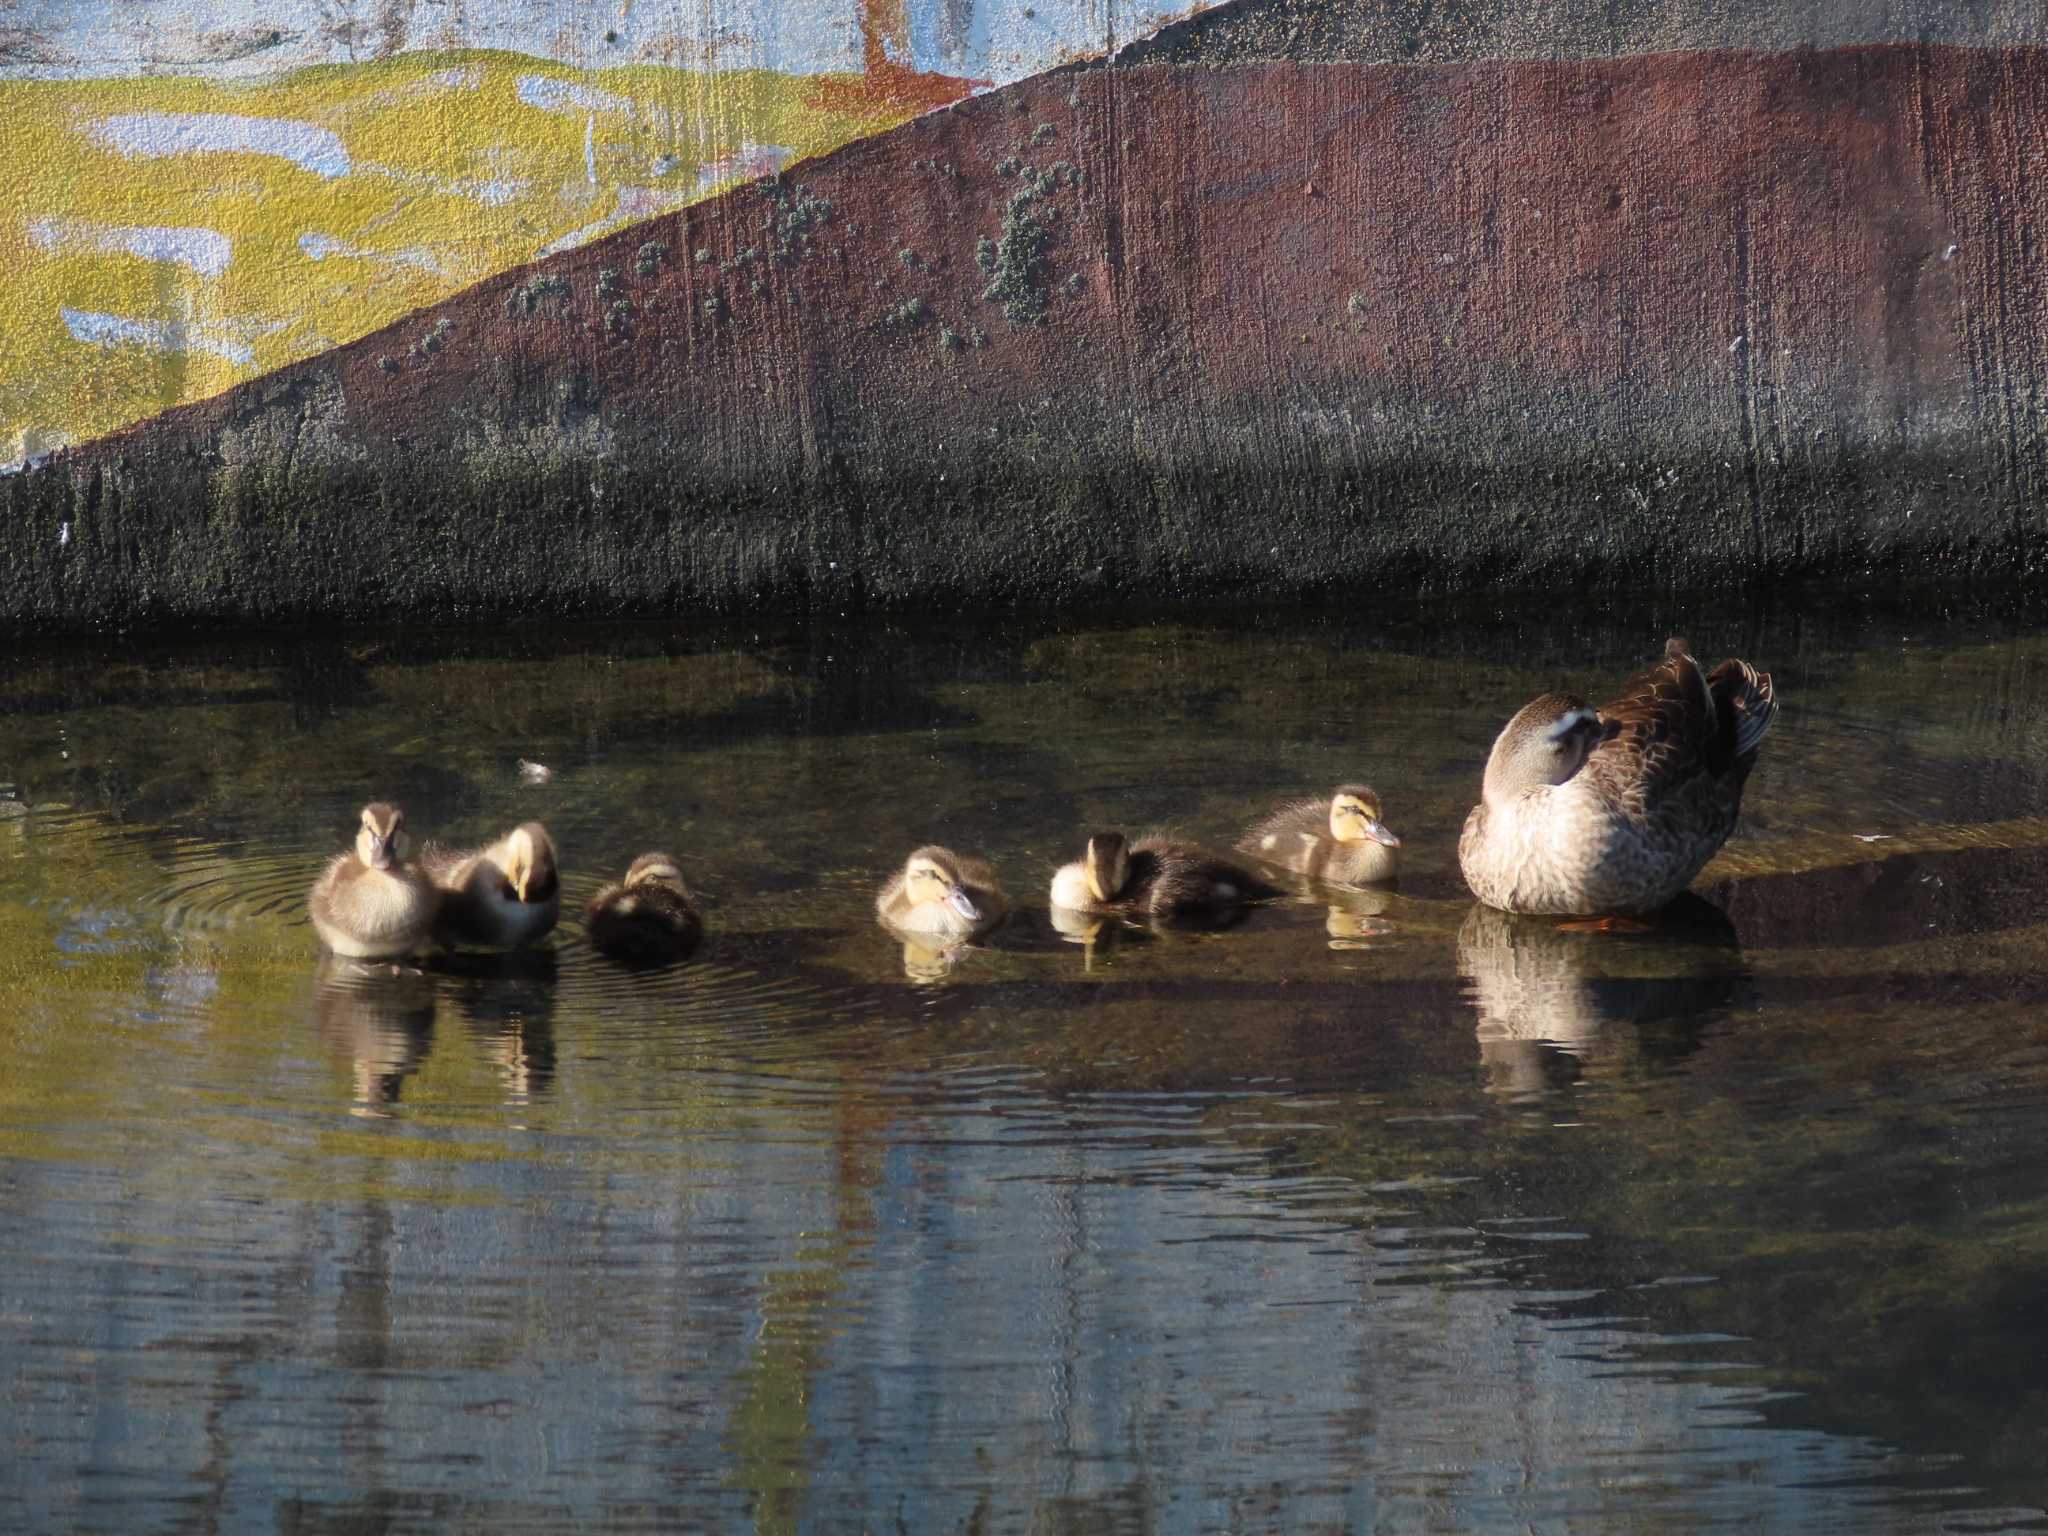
(1754,702)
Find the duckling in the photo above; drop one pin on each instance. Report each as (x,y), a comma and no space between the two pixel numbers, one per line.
(938,892)
(1151,878)
(650,918)
(506,893)
(1339,841)
(368,904)
(1614,810)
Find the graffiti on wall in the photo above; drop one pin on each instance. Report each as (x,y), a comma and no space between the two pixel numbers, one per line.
(193,192)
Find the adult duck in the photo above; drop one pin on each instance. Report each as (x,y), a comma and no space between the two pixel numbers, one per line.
(1612,811)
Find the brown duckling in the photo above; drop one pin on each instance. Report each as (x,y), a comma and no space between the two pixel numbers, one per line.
(506,893)
(368,904)
(937,892)
(1339,841)
(649,918)
(1152,878)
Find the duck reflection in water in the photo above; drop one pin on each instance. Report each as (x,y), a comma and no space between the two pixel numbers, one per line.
(506,1001)
(1354,918)
(1546,993)
(1097,934)
(931,959)
(381,1018)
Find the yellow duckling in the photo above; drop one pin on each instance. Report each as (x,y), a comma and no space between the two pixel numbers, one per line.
(938,893)
(1339,841)
(1152,878)
(368,904)
(506,893)
(1613,811)
(649,918)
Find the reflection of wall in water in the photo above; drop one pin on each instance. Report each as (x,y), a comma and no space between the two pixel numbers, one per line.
(1045,1299)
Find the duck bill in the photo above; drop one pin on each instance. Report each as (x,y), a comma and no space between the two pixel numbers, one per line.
(1095,884)
(958,900)
(1379,832)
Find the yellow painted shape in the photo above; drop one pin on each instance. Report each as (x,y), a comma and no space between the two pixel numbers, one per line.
(421,151)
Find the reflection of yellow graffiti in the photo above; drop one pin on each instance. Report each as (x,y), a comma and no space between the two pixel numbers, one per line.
(159,246)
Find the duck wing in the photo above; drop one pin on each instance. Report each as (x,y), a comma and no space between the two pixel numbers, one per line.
(1178,877)
(1288,835)
(1664,728)
(443,865)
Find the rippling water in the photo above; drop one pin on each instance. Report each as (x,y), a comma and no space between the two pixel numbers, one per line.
(1380,1211)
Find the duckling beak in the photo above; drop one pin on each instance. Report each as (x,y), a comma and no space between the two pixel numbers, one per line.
(519,885)
(1095,884)
(957,898)
(1379,833)
(380,853)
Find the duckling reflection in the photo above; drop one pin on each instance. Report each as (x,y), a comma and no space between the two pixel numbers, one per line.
(506,1002)
(381,1018)
(1354,919)
(1546,993)
(930,959)
(1097,934)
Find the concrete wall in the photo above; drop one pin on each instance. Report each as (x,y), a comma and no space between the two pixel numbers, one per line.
(1212,319)
(1431,31)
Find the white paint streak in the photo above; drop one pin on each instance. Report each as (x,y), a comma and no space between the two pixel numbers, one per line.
(548,94)
(153,135)
(590,149)
(205,251)
(318,247)
(634,204)
(493,193)
(746,163)
(156,335)
(576,237)
(646,202)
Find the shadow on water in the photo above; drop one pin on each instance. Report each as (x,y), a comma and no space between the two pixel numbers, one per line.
(1896,899)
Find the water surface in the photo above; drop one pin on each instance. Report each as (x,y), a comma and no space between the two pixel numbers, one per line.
(1375,1211)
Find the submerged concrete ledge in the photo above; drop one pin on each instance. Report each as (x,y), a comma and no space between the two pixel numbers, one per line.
(1258,330)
